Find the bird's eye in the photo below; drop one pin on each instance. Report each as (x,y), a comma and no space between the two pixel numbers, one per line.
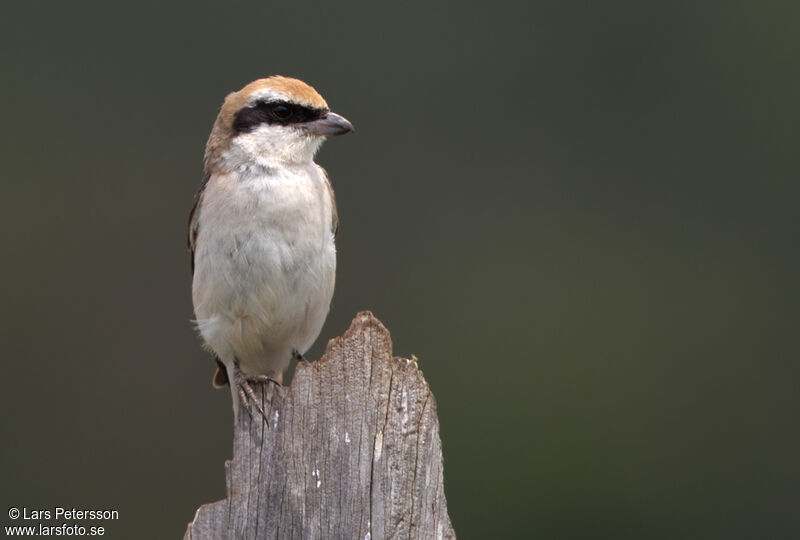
(281,111)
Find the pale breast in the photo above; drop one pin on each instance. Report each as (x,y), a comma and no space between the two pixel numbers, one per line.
(264,242)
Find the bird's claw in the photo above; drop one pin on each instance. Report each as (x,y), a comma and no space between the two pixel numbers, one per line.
(299,356)
(242,381)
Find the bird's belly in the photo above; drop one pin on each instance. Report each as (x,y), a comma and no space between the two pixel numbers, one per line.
(261,293)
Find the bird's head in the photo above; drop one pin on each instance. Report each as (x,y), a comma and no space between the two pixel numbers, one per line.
(271,122)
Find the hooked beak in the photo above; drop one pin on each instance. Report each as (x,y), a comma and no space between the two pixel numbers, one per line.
(329,125)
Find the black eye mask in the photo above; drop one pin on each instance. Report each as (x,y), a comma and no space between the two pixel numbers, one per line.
(282,113)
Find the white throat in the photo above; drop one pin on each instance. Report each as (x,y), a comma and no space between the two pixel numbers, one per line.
(270,147)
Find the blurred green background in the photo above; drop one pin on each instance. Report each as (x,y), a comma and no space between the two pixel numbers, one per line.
(582,217)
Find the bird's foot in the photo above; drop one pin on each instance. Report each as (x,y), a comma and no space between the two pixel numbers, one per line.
(242,381)
(299,356)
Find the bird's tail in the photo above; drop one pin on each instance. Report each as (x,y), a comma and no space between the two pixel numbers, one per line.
(229,367)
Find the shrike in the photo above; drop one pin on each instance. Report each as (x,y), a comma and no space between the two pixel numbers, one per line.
(262,230)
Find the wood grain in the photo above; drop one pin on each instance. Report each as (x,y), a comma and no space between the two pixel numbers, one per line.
(350,450)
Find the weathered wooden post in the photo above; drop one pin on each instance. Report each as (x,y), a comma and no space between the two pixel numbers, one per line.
(350,450)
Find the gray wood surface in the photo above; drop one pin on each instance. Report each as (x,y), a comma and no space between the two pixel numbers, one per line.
(350,450)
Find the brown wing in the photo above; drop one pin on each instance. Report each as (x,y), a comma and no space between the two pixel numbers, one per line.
(220,375)
(334,211)
(194,225)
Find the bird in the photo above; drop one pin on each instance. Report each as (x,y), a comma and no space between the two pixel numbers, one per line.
(262,232)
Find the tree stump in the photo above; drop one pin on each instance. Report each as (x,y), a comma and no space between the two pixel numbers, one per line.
(350,450)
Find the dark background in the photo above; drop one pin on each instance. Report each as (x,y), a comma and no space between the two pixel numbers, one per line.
(582,217)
